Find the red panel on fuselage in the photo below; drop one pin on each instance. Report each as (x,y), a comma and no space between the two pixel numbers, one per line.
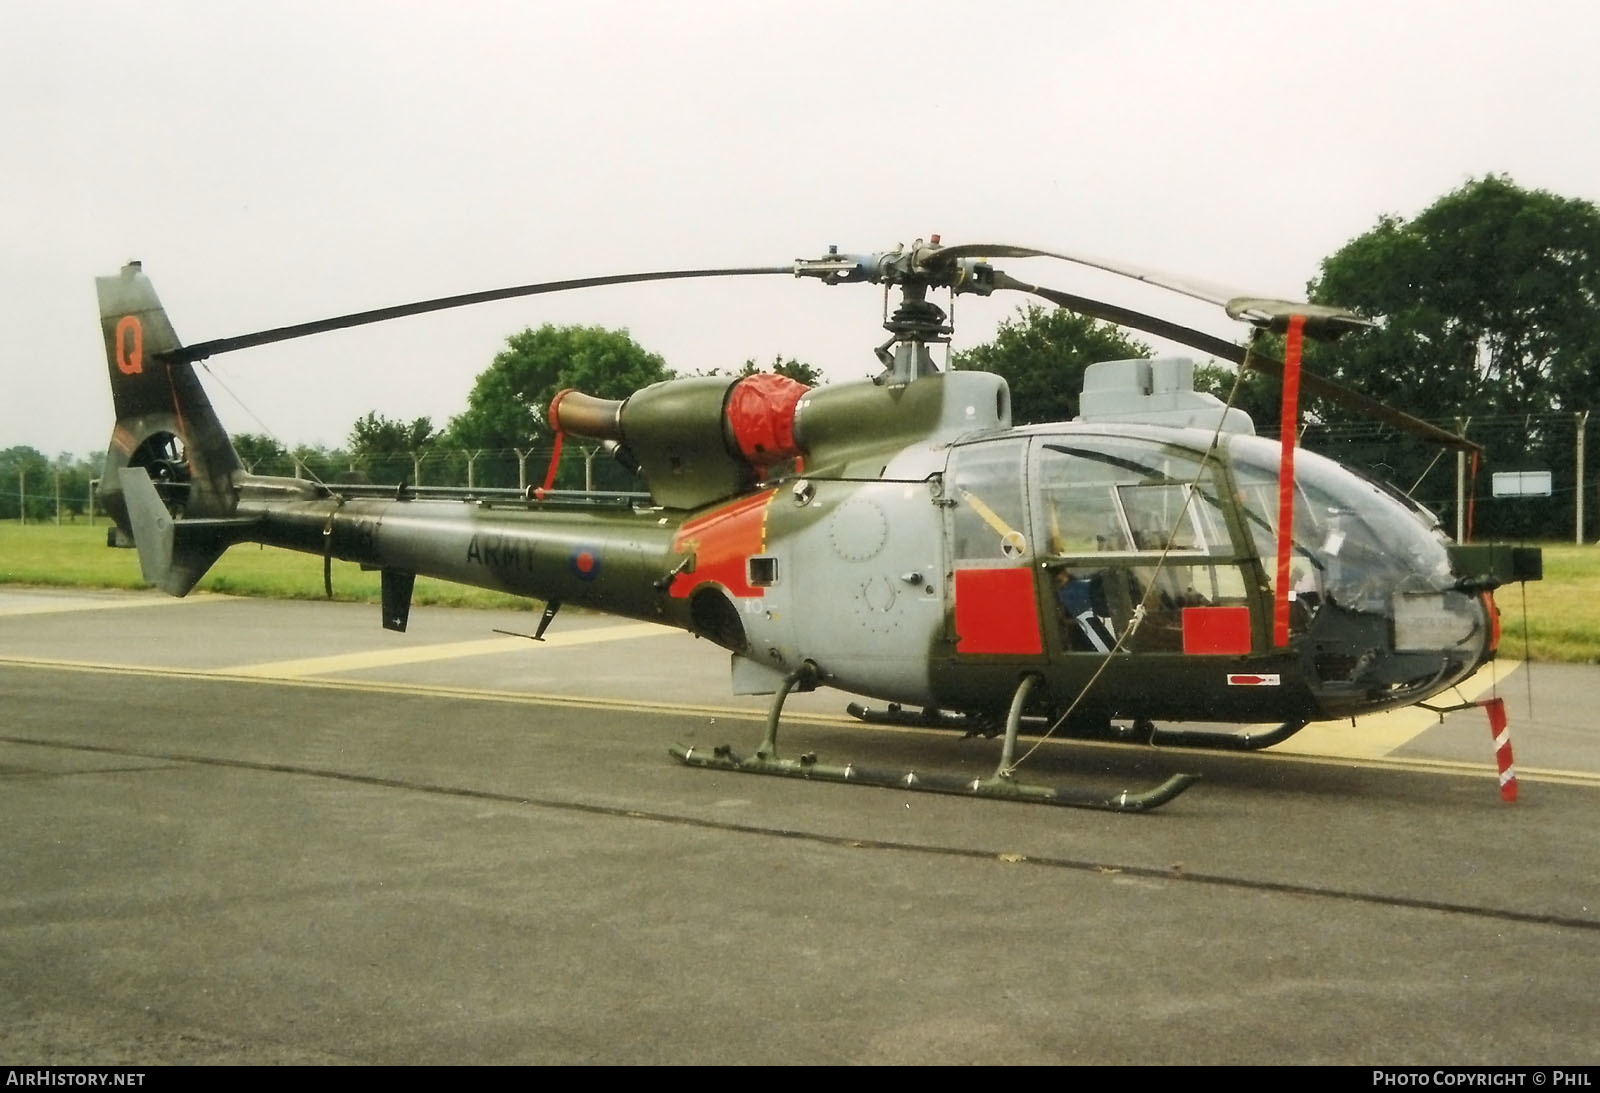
(723,542)
(1216,630)
(996,611)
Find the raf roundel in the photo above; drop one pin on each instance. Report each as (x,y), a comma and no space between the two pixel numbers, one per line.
(585,562)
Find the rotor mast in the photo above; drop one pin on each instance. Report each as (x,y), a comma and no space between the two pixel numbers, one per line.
(918,322)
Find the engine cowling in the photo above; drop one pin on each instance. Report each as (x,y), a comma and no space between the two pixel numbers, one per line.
(697,439)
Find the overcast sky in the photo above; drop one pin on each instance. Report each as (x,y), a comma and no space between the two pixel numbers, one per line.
(279,162)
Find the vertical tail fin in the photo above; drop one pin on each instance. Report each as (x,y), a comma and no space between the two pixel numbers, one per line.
(166,428)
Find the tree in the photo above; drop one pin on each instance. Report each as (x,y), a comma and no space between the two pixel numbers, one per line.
(390,450)
(1489,303)
(797,370)
(27,483)
(72,476)
(510,402)
(1257,394)
(325,464)
(1042,353)
(260,453)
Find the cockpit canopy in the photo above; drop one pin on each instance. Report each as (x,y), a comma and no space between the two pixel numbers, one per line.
(1354,542)
(1152,539)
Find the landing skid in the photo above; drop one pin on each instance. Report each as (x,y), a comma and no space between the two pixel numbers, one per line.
(998,786)
(1139,732)
(1003,784)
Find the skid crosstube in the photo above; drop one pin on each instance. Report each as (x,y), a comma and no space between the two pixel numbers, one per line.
(723,757)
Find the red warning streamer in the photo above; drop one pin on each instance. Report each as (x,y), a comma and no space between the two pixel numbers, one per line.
(1496,708)
(1291,430)
(1472,499)
(555,465)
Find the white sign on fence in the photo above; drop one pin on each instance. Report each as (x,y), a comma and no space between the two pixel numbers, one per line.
(1522,484)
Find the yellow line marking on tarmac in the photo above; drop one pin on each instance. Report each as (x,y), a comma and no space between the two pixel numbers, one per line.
(453,650)
(62,604)
(1376,735)
(425,690)
(1456,768)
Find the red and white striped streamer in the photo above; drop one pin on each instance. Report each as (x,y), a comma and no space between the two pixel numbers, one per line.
(1496,708)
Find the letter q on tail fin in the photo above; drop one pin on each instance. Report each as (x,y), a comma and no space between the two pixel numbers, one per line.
(171,473)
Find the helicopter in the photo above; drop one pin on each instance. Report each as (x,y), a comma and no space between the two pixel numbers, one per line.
(898,538)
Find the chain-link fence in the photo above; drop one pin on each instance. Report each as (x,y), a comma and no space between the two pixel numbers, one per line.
(582,466)
(1477,496)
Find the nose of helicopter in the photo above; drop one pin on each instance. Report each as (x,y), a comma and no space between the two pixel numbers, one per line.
(1469,639)
(1456,625)
(1435,640)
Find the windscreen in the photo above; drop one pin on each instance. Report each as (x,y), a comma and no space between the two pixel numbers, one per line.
(1354,543)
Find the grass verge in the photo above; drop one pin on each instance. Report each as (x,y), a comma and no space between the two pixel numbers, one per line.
(76,555)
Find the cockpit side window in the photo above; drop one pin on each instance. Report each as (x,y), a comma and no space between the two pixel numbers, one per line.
(984,483)
(1125,524)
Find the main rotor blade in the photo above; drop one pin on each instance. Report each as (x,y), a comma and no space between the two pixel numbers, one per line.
(1352,399)
(1322,321)
(1347,397)
(1122,316)
(1208,291)
(202,350)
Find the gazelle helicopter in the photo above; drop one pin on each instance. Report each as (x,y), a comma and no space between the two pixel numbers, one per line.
(897,538)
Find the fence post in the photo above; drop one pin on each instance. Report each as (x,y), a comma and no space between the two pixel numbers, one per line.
(1583,421)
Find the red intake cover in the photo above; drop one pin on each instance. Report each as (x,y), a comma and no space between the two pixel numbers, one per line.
(760,416)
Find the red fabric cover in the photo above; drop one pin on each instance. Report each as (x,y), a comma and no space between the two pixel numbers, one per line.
(760,414)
